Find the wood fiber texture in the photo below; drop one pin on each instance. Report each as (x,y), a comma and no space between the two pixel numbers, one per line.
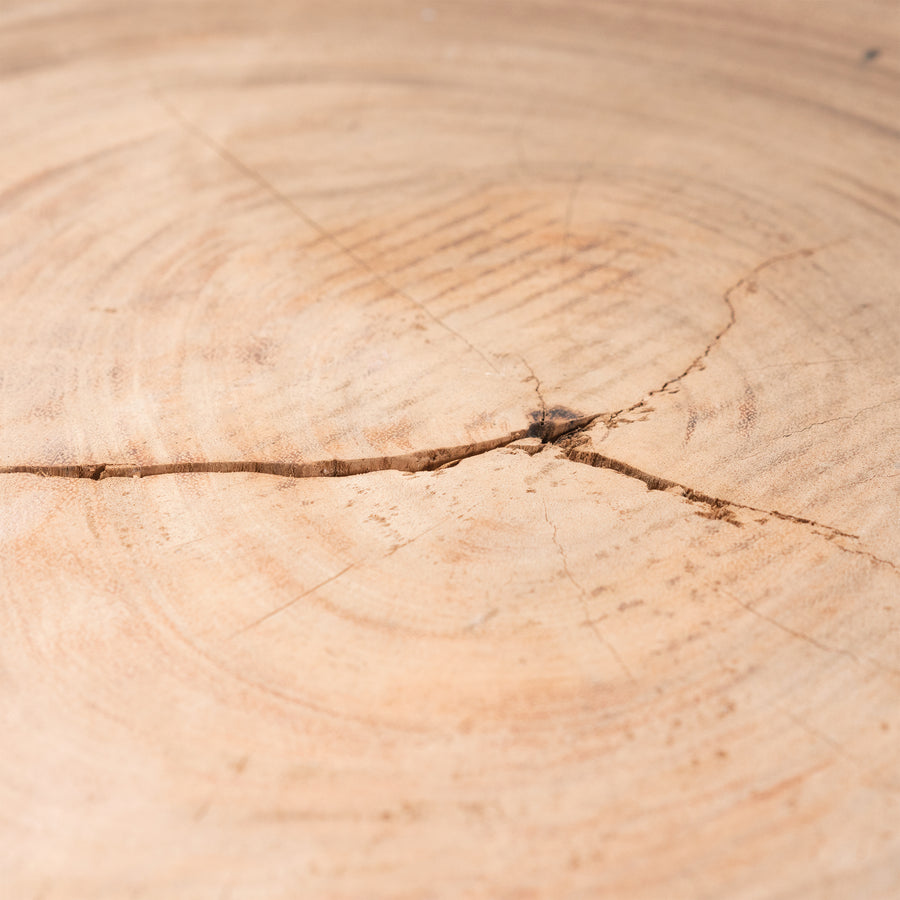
(450,450)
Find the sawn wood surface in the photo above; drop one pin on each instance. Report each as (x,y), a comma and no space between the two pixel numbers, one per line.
(450,450)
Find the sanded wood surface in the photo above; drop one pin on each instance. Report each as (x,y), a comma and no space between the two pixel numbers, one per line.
(595,309)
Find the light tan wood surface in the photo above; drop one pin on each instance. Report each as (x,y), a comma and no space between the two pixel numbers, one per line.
(596,305)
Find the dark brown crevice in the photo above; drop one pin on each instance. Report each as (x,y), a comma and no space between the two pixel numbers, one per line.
(657,483)
(548,425)
(557,427)
(420,461)
(718,508)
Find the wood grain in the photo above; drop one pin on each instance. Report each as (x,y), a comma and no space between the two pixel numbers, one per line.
(594,307)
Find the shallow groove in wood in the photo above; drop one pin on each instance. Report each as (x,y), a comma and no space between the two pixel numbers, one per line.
(261,181)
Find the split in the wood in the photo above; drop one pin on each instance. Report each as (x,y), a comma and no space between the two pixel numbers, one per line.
(747,282)
(547,425)
(423,460)
(558,427)
(717,508)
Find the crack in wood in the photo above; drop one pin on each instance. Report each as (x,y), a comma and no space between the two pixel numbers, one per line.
(423,460)
(548,425)
(746,281)
(557,427)
(719,508)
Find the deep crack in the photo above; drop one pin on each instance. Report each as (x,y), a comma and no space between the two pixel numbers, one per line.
(550,425)
(421,461)
(556,426)
(718,507)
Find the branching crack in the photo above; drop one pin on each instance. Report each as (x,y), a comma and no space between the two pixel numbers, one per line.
(851,417)
(550,425)
(293,601)
(557,427)
(747,281)
(793,632)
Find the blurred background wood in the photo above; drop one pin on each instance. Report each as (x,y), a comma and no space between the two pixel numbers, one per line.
(598,302)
